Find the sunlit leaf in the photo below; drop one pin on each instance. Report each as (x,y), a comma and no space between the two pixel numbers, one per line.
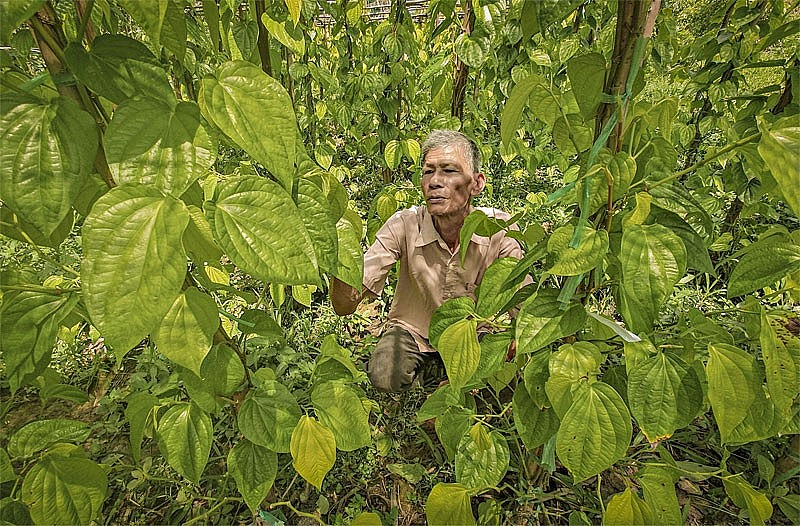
(742,494)
(481,467)
(187,331)
(254,468)
(185,433)
(568,261)
(449,504)
(268,415)
(313,449)
(541,321)
(41,434)
(340,409)
(460,351)
(626,509)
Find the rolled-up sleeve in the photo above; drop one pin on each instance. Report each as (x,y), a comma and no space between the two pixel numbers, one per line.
(384,252)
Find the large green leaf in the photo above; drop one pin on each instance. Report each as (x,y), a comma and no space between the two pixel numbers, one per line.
(448,313)
(653,259)
(165,145)
(185,433)
(514,106)
(595,432)
(137,413)
(586,76)
(571,134)
(758,506)
(41,434)
(319,222)
(482,465)
(541,320)
(665,394)
(764,262)
(696,252)
(254,468)
(163,20)
(134,263)
(268,415)
(65,490)
(339,407)
(187,331)
(626,509)
(119,67)
(567,367)
(535,425)
(448,505)
(568,261)
(47,150)
(221,374)
(451,427)
(313,450)
(733,385)
(30,323)
(783,376)
(14,13)
(494,292)
(351,258)
(460,351)
(260,228)
(658,486)
(255,111)
(780,148)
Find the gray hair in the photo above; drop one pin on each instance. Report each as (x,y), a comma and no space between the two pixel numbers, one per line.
(443,138)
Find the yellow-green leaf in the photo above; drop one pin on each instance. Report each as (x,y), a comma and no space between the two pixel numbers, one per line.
(449,505)
(626,509)
(187,331)
(313,449)
(460,351)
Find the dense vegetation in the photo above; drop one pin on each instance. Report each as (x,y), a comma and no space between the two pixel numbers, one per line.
(179,180)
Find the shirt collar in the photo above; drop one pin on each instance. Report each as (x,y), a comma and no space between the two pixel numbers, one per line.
(428,233)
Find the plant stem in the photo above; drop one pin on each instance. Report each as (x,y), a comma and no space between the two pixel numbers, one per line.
(87,15)
(212,509)
(705,161)
(296,511)
(48,38)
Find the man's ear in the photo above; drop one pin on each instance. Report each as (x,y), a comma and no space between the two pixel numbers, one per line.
(480,184)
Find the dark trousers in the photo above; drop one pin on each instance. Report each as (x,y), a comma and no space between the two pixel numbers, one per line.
(396,362)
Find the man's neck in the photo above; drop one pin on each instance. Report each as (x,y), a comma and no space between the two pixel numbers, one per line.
(449,228)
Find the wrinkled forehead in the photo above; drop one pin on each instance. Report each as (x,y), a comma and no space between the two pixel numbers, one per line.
(451,153)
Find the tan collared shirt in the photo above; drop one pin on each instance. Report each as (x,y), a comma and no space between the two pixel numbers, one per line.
(429,273)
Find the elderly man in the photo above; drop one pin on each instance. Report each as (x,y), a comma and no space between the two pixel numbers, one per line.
(425,240)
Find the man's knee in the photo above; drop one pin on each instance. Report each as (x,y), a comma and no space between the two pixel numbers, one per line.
(393,364)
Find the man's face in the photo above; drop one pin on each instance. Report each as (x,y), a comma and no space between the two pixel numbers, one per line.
(448,182)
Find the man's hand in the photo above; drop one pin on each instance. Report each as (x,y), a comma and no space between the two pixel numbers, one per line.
(344,298)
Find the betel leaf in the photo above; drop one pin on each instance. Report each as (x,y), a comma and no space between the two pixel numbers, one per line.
(780,149)
(586,75)
(187,331)
(185,433)
(41,434)
(254,469)
(339,407)
(783,380)
(313,450)
(758,506)
(152,142)
(764,262)
(438,402)
(653,259)
(367,518)
(733,385)
(164,22)
(268,415)
(595,432)
(118,68)
(255,111)
(47,149)
(481,466)
(137,413)
(665,394)
(576,360)
(571,134)
(658,486)
(134,262)
(221,374)
(541,321)
(319,222)
(535,425)
(446,314)
(30,323)
(65,490)
(514,106)
(14,14)
(696,252)
(449,504)
(350,268)
(568,261)
(260,228)
(6,469)
(626,508)
(495,290)
(451,427)
(460,351)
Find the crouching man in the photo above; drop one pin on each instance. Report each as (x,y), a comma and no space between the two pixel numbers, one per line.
(425,240)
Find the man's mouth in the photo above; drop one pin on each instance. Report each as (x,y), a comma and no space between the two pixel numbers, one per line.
(436,199)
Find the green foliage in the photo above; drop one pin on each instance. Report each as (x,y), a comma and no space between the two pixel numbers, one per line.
(167,171)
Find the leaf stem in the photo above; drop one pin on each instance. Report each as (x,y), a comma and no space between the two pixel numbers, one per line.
(87,16)
(211,510)
(48,38)
(289,505)
(732,146)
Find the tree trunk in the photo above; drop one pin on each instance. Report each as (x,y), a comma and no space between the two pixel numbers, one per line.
(461,69)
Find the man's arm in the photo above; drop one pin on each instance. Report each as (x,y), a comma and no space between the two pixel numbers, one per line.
(345,298)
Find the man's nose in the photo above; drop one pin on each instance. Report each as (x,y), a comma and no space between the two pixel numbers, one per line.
(436,180)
